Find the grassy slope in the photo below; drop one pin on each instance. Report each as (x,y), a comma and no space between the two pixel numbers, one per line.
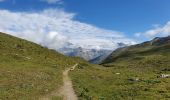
(28,70)
(141,62)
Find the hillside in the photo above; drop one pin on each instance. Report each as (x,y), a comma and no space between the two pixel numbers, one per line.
(99,59)
(29,71)
(138,72)
(157,46)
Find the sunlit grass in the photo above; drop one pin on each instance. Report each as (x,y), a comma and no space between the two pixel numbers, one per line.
(133,76)
(29,71)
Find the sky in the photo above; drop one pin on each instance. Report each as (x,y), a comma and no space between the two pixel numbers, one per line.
(92,24)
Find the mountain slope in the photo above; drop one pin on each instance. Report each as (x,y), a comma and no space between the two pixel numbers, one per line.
(87,54)
(138,72)
(157,46)
(27,70)
(92,55)
(100,58)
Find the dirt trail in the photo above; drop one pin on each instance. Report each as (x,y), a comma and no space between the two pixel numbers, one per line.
(66,91)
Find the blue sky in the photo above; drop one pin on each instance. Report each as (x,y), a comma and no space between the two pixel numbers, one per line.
(128,20)
(125,15)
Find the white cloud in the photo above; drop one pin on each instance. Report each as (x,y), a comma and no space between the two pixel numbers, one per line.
(52,1)
(156,31)
(137,34)
(56,28)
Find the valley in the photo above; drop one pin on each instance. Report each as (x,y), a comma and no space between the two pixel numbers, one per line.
(29,71)
(137,72)
(84,50)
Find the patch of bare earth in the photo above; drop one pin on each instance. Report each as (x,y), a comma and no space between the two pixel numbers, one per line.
(66,91)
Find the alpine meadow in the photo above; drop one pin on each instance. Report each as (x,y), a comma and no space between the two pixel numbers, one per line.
(84,50)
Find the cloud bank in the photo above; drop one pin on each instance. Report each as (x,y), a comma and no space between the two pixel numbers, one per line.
(157,31)
(55,29)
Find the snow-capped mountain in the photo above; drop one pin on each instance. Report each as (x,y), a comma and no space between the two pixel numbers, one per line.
(87,53)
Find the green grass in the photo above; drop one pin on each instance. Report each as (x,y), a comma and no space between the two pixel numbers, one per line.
(97,82)
(139,67)
(29,71)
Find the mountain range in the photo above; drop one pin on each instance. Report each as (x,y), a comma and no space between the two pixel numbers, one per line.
(91,55)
